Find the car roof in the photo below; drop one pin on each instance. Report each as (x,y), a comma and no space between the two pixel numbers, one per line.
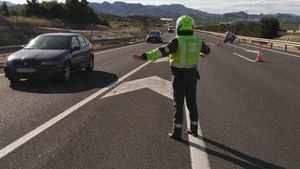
(60,34)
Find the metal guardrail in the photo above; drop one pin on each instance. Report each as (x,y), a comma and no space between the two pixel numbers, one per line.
(278,44)
(10,48)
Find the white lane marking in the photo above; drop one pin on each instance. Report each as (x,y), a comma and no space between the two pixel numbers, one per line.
(110,50)
(243,57)
(252,51)
(163,59)
(9,148)
(238,47)
(289,54)
(199,159)
(154,83)
(1,74)
(198,155)
(211,44)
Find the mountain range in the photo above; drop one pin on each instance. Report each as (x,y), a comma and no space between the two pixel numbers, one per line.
(9,4)
(129,9)
(171,11)
(176,10)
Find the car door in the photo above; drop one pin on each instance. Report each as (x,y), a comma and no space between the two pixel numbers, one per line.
(75,52)
(85,54)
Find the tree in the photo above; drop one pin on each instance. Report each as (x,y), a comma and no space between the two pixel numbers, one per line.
(79,12)
(269,27)
(4,9)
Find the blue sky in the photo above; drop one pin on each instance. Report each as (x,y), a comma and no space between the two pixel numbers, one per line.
(223,6)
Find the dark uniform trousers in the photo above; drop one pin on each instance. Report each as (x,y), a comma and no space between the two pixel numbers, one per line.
(184,82)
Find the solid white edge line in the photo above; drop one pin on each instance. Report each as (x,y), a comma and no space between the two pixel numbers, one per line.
(289,54)
(11,147)
(111,50)
(199,158)
(243,57)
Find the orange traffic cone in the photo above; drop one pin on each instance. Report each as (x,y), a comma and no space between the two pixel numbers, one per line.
(259,55)
(218,42)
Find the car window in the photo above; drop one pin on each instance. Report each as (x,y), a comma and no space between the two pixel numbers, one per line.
(75,42)
(86,41)
(81,41)
(154,33)
(49,43)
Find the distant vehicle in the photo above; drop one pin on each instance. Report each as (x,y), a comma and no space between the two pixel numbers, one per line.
(155,36)
(229,36)
(171,29)
(54,55)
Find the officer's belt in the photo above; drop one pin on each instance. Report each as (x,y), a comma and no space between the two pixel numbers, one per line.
(183,66)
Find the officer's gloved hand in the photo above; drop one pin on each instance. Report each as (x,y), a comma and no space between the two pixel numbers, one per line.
(197,75)
(202,55)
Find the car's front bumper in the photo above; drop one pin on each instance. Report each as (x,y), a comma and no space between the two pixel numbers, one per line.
(154,39)
(40,71)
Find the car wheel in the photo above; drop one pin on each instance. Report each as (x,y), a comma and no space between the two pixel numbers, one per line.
(90,66)
(13,80)
(66,72)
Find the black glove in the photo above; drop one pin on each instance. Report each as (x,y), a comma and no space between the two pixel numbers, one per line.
(197,75)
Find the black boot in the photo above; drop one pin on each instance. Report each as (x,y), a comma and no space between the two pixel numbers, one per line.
(193,131)
(176,134)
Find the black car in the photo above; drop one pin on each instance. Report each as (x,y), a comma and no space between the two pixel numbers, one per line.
(229,36)
(53,55)
(155,36)
(171,29)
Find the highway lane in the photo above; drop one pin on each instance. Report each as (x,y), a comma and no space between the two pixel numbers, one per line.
(256,103)
(248,116)
(25,107)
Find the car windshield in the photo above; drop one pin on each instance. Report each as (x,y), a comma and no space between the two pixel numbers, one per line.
(154,33)
(49,42)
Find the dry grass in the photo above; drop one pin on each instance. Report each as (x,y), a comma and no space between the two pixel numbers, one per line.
(3,57)
(293,38)
(36,21)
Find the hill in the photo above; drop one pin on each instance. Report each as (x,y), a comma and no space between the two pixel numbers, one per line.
(176,10)
(129,9)
(9,4)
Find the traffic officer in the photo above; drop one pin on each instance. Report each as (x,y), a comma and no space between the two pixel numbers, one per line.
(184,52)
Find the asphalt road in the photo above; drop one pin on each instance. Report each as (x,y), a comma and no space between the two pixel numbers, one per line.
(249,114)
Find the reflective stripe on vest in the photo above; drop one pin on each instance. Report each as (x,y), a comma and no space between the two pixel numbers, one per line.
(188,52)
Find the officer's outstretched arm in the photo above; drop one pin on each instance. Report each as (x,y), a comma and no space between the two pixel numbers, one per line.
(163,51)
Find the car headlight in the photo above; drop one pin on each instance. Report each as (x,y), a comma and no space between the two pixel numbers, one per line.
(49,63)
(10,57)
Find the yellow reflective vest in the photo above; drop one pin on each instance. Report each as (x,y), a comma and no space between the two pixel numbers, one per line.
(188,52)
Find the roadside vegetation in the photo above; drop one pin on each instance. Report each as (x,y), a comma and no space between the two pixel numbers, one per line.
(267,27)
(19,25)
